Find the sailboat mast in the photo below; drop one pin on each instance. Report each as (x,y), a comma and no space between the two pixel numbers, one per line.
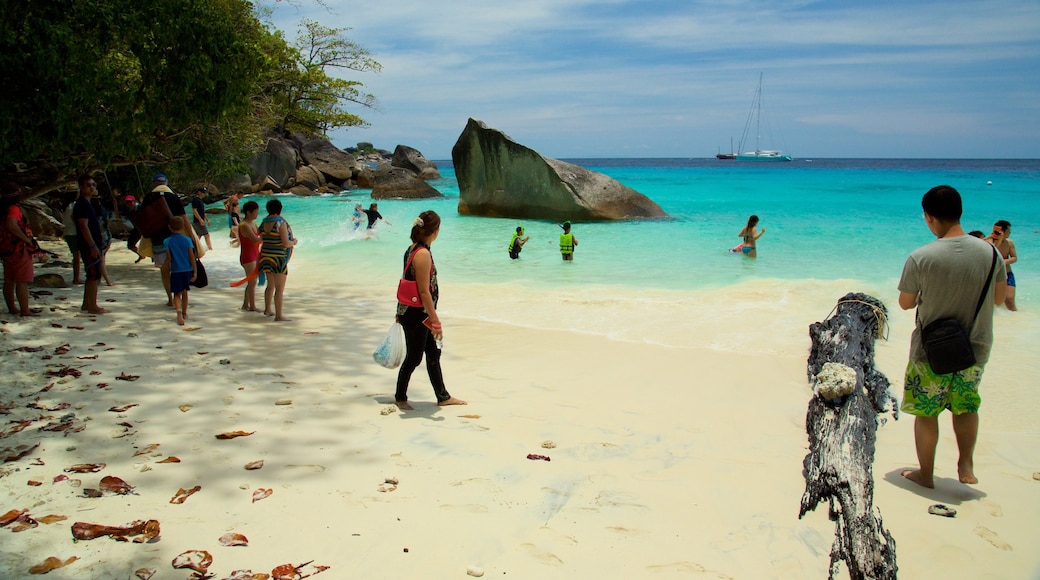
(758,113)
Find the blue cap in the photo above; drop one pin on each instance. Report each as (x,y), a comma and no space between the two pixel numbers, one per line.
(159,177)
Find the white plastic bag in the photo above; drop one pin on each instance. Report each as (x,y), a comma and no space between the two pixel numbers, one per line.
(390,352)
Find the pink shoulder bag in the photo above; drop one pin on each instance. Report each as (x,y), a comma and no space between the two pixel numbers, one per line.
(408,290)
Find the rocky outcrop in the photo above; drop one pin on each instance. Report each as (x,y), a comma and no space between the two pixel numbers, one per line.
(400,183)
(498,177)
(277,164)
(338,166)
(308,176)
(409,158)
(41,221)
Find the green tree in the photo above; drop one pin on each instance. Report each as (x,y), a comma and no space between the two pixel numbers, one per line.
(92,84)
(304,94)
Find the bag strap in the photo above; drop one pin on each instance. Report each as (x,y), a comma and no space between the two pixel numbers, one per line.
(409,263)
(985,289)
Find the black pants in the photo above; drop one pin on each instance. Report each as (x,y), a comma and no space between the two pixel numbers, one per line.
(131,242)
(419,341)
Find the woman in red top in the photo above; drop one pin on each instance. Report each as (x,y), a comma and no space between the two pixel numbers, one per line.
(249,246)
(18,264)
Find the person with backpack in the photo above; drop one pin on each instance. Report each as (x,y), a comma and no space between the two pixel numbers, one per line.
(16,248)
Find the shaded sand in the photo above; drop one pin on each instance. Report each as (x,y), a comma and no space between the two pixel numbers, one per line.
(666,461)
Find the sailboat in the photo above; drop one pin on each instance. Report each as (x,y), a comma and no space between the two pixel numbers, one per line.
(730,155)
(755,115)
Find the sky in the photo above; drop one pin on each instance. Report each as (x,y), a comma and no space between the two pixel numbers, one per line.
(676,78)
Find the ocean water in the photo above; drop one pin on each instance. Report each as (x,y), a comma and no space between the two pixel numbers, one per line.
(832,225)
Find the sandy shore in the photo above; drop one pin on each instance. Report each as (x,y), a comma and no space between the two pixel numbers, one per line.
(666,461)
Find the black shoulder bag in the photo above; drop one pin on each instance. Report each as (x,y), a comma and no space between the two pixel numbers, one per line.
(946,344)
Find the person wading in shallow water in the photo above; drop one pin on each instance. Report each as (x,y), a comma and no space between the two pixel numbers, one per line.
(422,327)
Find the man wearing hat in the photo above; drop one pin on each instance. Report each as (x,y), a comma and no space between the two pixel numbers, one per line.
(161,190)
(17,251)
(199,219)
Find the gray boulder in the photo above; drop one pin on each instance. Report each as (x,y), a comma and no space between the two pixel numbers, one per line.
(400,183)
(277,162)
(309,177)
(498,177)
(409,158)
(337,165)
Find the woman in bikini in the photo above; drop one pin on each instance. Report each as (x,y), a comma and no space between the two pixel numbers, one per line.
(278,242)
(249,252)
(750,234)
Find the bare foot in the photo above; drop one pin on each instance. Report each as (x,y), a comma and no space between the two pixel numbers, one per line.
(404,406)
(184,314)
(28,313)
(180,320)
(97,310)
(77,282)
(966,474)
(266,313)
(452,401)
(109,283)
(917,477)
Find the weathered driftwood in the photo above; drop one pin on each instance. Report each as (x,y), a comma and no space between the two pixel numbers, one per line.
(842,433)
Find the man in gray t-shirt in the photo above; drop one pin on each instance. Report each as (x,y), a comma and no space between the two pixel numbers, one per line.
(944,280)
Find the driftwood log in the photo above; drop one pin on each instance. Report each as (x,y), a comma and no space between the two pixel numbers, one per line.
(850,401)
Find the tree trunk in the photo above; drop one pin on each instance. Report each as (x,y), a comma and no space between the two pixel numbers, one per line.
(842,432)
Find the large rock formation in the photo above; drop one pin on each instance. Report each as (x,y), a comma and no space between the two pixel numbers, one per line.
(498,177)
(337,165)
(409,158)
(400,183)
(278,161)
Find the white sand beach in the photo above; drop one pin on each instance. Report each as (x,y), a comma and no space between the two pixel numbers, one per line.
(673,458)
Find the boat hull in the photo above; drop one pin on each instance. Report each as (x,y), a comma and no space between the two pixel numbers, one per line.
(767,157)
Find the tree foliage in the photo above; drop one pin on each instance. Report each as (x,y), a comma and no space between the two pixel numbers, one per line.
(98,84)
(307,96)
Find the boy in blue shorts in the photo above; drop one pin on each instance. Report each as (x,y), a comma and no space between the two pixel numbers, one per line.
(181,253)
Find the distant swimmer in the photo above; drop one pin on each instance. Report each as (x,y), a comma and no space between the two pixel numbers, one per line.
(568,242)
(750,234)
(517,243)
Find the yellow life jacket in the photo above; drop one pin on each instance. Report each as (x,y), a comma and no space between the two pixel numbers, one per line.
(566,243)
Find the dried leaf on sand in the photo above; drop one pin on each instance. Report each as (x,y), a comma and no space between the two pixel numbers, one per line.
(147,449)
(121,408)
(290,572)
(183,494)
(261,493)
(85,468)
(143,530)
(170,459)
(255,464)
(197,560)
(125,377)
(113,484)
(233,539)
(51,563)
(233,434)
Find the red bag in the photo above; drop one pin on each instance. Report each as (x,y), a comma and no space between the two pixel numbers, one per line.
(408,290)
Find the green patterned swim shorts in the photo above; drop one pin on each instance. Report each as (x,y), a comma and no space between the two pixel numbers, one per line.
(926,394)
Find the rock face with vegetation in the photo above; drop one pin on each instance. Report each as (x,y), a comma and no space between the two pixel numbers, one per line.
(498,177)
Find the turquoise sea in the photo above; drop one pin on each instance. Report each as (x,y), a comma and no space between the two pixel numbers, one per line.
(824,219)
(843,224)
